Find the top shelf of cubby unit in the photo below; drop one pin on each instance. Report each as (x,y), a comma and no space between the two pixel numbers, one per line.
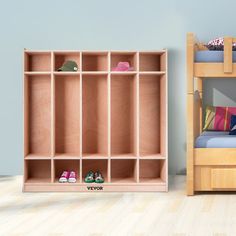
(94,61)
(37,61)
(152,61)
(61,57)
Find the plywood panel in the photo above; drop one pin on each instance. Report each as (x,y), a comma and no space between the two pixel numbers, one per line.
(38,171)
(150,62)
(123,114)
(150,115)
(95,115)
(123,171)
(94,61)
(67,95)
(38,62)
(39,114)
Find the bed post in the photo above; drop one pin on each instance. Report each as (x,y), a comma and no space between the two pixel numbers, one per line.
(190,114)
(199,88)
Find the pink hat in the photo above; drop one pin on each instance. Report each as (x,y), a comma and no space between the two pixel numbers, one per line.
(122,66)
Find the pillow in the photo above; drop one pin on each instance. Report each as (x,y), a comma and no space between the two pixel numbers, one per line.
(218,44)
(218,118)
(233,125)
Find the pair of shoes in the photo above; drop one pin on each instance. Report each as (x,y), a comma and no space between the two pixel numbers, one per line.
(123,66)
(94,177)
(68,176)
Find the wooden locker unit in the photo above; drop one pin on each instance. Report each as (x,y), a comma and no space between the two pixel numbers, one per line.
(96,119)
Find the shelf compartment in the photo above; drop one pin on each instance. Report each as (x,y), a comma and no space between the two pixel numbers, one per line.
(37,105)
(61,57)
(95,165)
(38,171)
(130,57)
(67,115)
(123,115)
(150,115)
(152,61)
(92,61)
(152,171)
(66,165)
(95,115)
(37,61)
(123,171)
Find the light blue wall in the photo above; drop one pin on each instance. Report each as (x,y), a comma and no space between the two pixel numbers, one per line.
(104,24)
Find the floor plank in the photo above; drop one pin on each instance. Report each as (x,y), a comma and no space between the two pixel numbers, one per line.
(98,214)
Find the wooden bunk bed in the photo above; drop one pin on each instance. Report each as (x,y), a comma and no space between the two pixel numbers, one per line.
(208,169)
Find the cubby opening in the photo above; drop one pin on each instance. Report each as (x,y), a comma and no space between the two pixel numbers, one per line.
(124,171)
(123,115)
(152,61)
(95,165)
(38,171)
(95,61)
(66,165)
(61,57)
(38,61)
(150,115)
(129,57)
(152,171)
(37,115)
(67,115)
(95,115)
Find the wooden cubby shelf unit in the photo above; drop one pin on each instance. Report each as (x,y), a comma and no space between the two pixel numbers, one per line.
(96,119)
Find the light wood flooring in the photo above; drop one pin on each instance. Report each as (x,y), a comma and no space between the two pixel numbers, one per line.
(96,214)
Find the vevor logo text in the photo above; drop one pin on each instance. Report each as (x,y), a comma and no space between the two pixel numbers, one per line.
(95,188)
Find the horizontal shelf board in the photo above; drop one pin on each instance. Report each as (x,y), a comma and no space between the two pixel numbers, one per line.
(37,157)
(123,72)
(65,156)
(94,53)
(31,52)
(94,72)
(123,180)
(152,181)
(124,156)
(66,73)
(38,180)
(37,73)
(152,72)
(94,156)
(153,157)
(158,52)
(66,52)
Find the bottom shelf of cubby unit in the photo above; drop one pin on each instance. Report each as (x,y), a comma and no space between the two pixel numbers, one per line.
(93,187)
(37,180)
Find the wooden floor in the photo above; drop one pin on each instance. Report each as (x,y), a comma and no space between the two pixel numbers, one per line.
(96,214)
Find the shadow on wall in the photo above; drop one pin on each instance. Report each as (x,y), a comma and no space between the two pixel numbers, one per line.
(176,91)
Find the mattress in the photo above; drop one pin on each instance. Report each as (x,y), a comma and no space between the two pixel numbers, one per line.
(215,139)
(211,56)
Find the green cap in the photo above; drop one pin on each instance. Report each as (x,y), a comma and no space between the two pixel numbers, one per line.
(69,66)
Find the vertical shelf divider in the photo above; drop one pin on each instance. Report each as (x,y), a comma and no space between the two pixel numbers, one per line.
(109,116)
(81,118)
(137,116)
(52,118)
